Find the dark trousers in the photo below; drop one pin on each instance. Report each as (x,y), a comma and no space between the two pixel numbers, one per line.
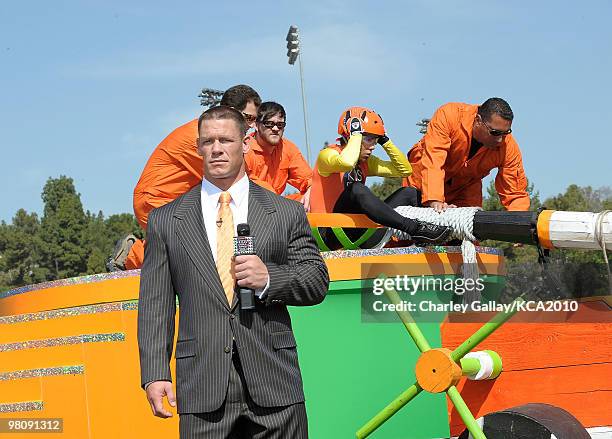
(358,198)
(240,418)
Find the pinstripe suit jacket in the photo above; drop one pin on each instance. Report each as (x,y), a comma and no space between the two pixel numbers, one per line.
(178,262)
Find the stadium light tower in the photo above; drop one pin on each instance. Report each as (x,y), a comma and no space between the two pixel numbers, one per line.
(293,53)
(423,123)
(209,97)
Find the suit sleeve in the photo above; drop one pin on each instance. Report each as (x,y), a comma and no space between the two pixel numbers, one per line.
(304,279)
(510,182)
(156,308)
(437,144)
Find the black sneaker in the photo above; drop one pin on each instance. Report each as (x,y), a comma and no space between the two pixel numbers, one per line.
(120,253)
(428,233)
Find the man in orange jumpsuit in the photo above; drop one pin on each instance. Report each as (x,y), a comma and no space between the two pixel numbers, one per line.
(462,145)
(173,168)
(272,160)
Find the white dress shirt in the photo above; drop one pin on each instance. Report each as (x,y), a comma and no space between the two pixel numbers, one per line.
(239,205)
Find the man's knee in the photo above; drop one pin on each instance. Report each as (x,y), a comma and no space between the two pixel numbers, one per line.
(359,189)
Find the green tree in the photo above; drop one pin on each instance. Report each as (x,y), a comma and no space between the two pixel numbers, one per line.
(102,234)
(21,251)
(67,242)
(491,199)
(581,199)
(63,229)
(386,187)
(121,224)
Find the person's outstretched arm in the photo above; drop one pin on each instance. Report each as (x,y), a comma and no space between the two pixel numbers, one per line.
(511,183)
(398,166)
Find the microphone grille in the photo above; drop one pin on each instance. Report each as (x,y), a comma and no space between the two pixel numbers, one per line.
(243,229)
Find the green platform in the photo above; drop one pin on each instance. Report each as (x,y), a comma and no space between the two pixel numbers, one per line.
(352,369)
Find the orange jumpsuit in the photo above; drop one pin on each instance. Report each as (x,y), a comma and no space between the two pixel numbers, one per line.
(285,164)
(443,172)
(175,167)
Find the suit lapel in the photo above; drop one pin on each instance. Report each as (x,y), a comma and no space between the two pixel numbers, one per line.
(260,219)
(192,235)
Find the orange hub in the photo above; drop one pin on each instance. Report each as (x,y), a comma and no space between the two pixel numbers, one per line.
(436,371)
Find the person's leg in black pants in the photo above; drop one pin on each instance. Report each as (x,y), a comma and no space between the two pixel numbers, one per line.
(358,198)
(404,196)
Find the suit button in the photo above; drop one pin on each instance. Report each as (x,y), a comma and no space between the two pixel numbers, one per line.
(232,316)
(227,349)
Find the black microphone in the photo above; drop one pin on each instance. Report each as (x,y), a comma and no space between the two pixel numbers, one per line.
(243,245)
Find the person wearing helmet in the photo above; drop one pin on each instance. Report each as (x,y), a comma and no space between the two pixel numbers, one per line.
(341,170)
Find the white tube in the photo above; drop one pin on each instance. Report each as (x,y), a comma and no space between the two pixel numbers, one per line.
(578,229)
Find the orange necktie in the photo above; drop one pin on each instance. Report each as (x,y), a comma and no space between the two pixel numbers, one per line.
(225,245)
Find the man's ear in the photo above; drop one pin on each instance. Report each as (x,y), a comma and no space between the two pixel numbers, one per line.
(245,144)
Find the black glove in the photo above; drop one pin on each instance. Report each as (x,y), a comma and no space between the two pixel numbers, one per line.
(383,139)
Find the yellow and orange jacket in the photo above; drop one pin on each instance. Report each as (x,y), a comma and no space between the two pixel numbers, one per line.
(334,163)
(443,172)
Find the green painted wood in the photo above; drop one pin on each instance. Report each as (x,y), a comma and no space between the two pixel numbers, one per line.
(465,413)
(319,239)
(483,332)
(386,413)
(351,370)
(497,363)
(343,239)
(347,243)
(469,366)
(413,329)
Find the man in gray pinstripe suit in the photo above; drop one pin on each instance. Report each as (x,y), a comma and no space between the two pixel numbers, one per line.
(237,370)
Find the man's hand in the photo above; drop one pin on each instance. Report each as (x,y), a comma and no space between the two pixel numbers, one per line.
(382,139)
(440,206)
(306,200)
(155,394)
(250,272)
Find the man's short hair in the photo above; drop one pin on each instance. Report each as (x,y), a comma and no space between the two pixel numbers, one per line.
(224,112)
(239,96)
(268,110)
(495,106)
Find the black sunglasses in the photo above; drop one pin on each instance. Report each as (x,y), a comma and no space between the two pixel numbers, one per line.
(495,133)
(270,124)
(250,118)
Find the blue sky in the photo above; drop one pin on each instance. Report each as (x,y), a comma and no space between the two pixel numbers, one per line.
(88,89)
